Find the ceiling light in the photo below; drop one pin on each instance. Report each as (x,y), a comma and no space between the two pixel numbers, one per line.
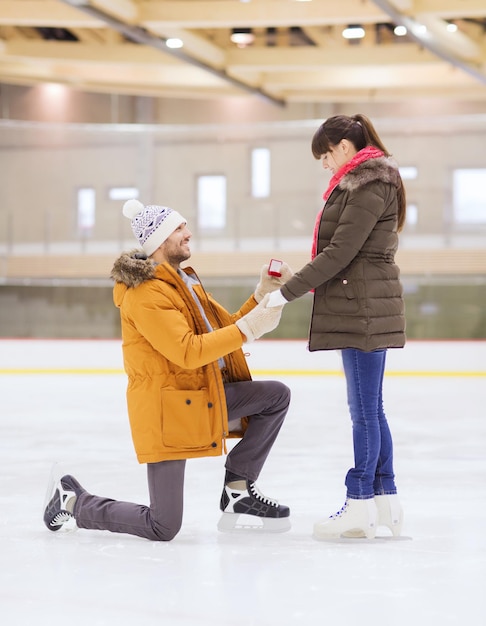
(353,32)
(400,31)
(420,29)
(174,42)
(242,36)
(451,28)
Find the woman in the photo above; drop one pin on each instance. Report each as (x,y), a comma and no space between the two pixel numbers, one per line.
(358,307)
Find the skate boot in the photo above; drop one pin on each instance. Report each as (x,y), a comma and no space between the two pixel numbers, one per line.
(245,508)
(390,513)
(357,519)
(59,510)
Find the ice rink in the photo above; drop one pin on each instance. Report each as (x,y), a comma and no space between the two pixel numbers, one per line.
(64,401)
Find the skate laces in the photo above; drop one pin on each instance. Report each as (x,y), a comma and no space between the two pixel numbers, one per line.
(340,512)
(256,493)
(61,518)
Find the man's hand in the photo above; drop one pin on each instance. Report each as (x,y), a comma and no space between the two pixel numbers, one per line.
(259,320)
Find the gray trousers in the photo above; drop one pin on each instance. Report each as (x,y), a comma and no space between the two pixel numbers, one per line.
(265,403)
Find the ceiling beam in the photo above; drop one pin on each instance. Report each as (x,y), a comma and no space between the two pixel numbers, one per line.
(141,36)
(446,9)
(429,41)
(298,59)
(219,14)
(289,58)
(48,13)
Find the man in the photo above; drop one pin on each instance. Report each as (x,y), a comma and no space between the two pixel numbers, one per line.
(189,389)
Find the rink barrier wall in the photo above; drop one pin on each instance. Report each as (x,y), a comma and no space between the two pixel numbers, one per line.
(437,307)
(265,373)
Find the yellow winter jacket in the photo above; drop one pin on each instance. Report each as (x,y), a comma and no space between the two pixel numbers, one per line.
(175,395)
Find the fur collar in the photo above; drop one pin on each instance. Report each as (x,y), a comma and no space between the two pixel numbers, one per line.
(383,169)
(133,268)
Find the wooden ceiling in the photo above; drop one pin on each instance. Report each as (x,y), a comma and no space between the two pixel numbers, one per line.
(298,53)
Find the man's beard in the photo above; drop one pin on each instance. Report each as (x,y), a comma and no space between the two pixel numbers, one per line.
(179,257)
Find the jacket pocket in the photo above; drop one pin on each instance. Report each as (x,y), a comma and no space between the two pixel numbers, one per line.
(341,297)
(186,419)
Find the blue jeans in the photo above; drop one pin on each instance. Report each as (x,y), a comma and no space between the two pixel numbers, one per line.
(372,441)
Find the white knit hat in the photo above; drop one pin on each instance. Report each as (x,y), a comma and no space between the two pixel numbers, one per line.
(151,224)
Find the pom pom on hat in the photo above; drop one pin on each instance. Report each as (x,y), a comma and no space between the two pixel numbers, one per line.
(151,224)
(131,208)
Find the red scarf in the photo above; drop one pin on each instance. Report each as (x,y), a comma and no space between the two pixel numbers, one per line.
(370,152)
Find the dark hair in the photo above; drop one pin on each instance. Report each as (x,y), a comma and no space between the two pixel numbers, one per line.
(359,130)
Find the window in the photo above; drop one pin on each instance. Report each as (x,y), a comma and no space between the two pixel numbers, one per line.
(408,173)
(86,209)
(411,219)
(122,193)
(468,198)
(260,172)
(211,202)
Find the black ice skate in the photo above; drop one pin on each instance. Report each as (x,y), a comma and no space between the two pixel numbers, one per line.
(248,509)
(56,515)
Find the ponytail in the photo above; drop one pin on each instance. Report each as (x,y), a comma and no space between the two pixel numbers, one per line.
(372,138)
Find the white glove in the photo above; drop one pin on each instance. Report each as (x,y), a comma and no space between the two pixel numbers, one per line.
(259,320)
(269,283)
(276,299)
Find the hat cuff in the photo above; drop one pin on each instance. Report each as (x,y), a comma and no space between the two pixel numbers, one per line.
(163,231)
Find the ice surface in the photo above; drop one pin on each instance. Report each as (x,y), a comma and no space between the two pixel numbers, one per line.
(435,397)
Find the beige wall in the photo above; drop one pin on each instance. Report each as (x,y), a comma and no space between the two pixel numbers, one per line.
(43,164)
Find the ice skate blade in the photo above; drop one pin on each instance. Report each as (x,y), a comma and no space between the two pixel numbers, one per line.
(57,472)
(241,522)
(361,540)
(359,534)
(68,527)
(328,530)
(54,478)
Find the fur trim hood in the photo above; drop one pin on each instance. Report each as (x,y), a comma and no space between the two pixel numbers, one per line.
(133,268)
(383,169)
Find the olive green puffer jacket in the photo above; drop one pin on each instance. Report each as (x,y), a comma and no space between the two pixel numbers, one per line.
(358,300)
